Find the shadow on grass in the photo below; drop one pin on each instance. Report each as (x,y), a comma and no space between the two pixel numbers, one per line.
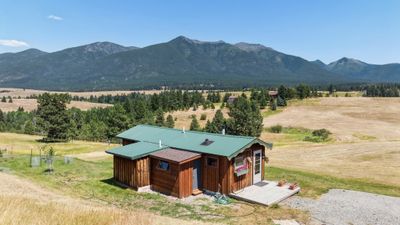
(51,140)
(111,181)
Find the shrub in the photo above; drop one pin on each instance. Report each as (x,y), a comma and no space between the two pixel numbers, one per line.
(276,129)
(320,135)
(203,116)
(323,133)
(275,206)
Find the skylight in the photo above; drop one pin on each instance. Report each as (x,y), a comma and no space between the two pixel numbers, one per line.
(207,142)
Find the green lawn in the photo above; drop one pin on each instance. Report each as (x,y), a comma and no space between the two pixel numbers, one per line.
(313,185)
(294,135)
(23,144)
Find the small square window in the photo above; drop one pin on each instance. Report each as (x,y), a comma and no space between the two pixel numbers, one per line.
(212,162)
(163,165)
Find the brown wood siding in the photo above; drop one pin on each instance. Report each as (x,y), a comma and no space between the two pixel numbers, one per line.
(142,173)
(166,182)
(229,181)
(133,173)
(238,183)
(178,180)
(210,174)
(185,179)
(224,165)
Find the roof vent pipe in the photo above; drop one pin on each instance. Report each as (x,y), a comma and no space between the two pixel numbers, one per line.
(223,131)
(159,144)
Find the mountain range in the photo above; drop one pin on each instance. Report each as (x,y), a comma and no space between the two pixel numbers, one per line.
(181,62)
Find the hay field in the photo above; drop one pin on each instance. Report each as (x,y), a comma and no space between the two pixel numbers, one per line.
(366,138)
(31,104)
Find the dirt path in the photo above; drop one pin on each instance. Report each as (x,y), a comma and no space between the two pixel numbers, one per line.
(23,202)
(92,156)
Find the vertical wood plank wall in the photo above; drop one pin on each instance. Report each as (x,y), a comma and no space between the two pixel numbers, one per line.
(186,179)
(210,174)
(178,180)
(133,173)
(237,183)
(166,182)
(224,176)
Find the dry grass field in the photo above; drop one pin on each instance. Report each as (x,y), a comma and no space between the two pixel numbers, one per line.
(23,202)
(23,93)
(366,138)
(184,117)
(31,104)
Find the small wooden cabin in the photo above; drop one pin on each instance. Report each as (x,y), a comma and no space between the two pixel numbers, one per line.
(181,163)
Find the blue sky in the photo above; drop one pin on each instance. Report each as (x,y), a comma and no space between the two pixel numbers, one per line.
(324,29)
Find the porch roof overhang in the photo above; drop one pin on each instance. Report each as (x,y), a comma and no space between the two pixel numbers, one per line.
(175,155)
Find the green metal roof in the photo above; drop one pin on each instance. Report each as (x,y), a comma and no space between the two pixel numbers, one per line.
(223,145)
(136,150)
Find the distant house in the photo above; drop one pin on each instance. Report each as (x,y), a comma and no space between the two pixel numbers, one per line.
(181,163)
(273,94)
(231,99)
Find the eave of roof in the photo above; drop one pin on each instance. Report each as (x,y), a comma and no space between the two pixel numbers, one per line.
(135,150)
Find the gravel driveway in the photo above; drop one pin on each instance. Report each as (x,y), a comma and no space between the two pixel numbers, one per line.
(344,207)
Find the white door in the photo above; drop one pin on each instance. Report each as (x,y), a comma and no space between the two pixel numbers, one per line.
(257,166)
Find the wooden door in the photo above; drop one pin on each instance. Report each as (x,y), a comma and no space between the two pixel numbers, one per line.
(211,173)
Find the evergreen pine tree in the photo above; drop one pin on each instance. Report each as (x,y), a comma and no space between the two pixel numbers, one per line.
(117,120)
(4,99)
(159,118)
(53,116)
(170,121)
(194,125)
(29,128)
(1,116)
(245,118)
(263,101)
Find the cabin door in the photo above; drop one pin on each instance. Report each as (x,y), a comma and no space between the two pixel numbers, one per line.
(196,181)
(257,166)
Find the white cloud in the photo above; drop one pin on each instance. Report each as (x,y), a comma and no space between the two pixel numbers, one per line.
(13,43)
(54,17)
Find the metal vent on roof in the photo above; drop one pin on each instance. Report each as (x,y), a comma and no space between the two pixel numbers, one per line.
(207,142)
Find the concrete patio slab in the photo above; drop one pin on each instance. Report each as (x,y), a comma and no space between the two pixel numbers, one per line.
(265,193)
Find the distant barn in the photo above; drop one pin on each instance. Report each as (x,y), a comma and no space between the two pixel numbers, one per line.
(231,99)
